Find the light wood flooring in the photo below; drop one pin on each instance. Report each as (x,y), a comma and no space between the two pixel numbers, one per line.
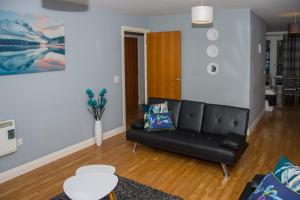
(277,134)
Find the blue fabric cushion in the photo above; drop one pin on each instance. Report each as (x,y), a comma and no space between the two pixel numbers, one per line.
(146,108)
(159,108)
(160,121)
(288,174)
(271,188)
(155,108)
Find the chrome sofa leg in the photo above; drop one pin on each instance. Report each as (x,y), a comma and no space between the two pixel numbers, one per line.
(226,173)
(134,147)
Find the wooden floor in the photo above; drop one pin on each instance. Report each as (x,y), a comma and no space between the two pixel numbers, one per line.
(277,134)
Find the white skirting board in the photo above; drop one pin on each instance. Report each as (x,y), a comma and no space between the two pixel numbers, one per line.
(255,122)
(27,167)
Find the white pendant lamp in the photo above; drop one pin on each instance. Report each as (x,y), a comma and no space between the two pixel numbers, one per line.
(294,28)
(202,14)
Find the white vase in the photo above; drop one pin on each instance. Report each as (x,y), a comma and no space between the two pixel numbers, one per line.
(98,133)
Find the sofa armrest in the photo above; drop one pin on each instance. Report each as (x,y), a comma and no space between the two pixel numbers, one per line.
(257,180)
(251,186)
(233,141)
(138,124)
(246,192)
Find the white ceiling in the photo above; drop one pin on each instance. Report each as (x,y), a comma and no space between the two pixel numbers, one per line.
(276,13)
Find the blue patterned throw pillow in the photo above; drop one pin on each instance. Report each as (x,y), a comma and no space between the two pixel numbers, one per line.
(288,174)
(146,108)
(160,121)
(159,108)
(155,108)
(271,189)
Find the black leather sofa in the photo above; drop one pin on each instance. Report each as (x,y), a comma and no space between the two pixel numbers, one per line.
(210,132)
(251,186)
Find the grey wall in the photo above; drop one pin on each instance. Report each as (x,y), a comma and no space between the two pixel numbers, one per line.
(257,77)
(231,85)
(50,108)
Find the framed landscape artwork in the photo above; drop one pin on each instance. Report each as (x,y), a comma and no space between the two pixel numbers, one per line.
(30,43)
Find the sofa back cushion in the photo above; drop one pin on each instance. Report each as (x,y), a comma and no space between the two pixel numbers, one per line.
(219,119)
(173,106)
(191,115)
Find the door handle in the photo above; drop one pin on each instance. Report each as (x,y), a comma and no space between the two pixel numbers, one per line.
(176,79)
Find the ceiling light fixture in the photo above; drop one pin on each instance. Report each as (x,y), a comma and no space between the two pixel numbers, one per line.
(202,14)
(66,5)
(294,28)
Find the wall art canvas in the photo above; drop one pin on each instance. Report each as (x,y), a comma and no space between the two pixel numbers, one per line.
(30,43)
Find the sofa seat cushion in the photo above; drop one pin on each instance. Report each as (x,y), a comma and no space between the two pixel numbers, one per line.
(233,141)
(191,143)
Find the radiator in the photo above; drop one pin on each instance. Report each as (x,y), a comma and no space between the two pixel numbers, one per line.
(8,141)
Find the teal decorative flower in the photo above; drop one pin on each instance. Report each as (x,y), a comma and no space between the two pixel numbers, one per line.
(103,102)
(94,103)
(102,92)
(90,102)
(96,106)
(90,93)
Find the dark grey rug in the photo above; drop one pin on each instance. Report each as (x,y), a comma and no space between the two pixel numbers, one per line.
(131,190)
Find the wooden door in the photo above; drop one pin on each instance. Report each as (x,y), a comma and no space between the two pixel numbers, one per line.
(131,73)
(164,64)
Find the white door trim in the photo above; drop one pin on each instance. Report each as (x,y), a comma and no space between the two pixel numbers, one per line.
(134,30)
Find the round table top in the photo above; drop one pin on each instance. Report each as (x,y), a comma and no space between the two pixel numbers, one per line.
(96,169)
(91,186)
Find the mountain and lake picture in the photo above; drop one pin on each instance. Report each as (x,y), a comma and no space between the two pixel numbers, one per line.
(30,43)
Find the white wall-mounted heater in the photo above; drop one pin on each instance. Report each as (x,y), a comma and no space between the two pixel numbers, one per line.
(8,140)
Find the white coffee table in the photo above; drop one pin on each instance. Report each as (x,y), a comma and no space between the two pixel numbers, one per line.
(90,186)
(96,169)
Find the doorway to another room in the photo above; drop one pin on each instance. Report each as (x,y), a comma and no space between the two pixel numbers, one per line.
(153,57)
(283,69)
(134,73)
(274,68)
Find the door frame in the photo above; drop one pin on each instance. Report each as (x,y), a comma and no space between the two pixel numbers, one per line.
(134,30)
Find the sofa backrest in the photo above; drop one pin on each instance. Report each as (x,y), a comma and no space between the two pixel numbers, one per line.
(219,119)
(191,115)
(173,106)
